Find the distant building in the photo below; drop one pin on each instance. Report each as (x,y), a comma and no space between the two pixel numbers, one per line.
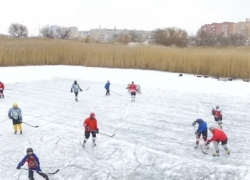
(227,28)
(73,32)
(108,34)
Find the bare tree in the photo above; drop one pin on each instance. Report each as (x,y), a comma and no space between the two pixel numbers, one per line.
(64,32)
(171,36)
(124,38)
(45,31)
(18,30)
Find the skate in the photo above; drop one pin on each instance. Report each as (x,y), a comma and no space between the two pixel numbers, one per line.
(216,154)
(196,146)
(76,99)
(21,132)
(228,152)
(15,132)
(94,143)
(84,142)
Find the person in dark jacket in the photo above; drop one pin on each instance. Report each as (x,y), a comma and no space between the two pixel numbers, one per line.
(33,164)
(107,88)
(202,129)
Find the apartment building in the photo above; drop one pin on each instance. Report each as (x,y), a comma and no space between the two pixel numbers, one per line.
(227,28)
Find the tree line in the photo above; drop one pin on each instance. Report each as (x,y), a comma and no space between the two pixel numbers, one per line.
(167,37)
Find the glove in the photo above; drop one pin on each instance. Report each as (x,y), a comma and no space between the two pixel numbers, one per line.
(193,123)
(88,128)
(71,90)
(80,89)
(11,117)
(21,121)
(97,130)
(18,167)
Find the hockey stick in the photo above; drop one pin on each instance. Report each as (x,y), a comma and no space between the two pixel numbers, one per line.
(30,125)
(104,134)
(107,134)
(202,150)
(116,93)
(8,89)
(86,89)
(42,172)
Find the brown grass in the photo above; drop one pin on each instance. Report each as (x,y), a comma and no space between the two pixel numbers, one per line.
(223,62)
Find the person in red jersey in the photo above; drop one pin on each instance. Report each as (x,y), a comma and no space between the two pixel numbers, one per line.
(90,125)
(218,136)
(1,90)
(216,112)
(133,89)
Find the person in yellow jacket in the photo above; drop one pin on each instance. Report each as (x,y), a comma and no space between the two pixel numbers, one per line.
(15,114)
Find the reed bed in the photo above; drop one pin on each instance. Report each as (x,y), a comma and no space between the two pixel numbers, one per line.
(223,62)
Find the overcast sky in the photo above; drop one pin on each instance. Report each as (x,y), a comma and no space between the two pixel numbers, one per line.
(124,14)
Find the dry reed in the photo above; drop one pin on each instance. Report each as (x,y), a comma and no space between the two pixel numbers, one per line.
(223,62)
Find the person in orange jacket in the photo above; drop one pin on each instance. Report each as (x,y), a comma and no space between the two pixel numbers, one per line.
(90,125)
(133,89)
(218,136)
(1,89)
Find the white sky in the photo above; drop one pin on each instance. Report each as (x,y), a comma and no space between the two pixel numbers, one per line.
(129,14)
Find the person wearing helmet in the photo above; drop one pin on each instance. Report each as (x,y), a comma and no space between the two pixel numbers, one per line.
(15,114)
(218,136)
(216,112)
(33,164)
(107,88)
(132,88)
(75,87)
(90,125)
(202,129)
(1,90)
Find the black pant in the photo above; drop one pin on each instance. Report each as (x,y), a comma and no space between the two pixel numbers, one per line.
(133,93)
(76,94)
(87,134)
(222,142)
(218,118)
(107,92)
(204,134)
(31,175)
(1,93)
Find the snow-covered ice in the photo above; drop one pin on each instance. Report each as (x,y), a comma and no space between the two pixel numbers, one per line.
(154,137)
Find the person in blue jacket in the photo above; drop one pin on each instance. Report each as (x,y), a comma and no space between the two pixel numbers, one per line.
(33,164)
(107,88)
(202,129)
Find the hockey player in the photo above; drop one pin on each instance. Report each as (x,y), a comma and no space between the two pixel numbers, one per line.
(107,88)
(75,87)
(216,112)
(218,136)
(90,125)
(132,88)
(15,114)
(202,129)
(33,164)
(1,90)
